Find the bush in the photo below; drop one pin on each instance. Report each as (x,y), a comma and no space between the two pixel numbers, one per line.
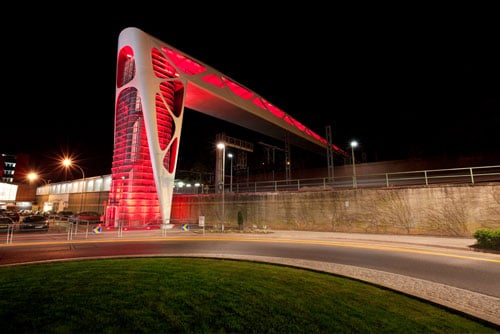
(487,238)
(240,220)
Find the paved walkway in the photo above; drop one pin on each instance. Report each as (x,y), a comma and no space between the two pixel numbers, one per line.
(447,242)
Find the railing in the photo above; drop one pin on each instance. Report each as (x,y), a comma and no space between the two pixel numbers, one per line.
(467,175)
(63,230)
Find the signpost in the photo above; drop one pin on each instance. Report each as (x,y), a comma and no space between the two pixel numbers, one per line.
(201,223)
(97,229)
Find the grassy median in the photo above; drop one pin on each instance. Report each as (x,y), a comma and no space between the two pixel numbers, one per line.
(193,295)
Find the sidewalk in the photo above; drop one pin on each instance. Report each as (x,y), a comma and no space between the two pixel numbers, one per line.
(462,243)
(447,242)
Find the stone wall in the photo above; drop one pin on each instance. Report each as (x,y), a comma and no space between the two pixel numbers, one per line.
(454,210)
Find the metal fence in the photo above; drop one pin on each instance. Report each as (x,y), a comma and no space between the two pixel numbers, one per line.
(466,175)
(62,230)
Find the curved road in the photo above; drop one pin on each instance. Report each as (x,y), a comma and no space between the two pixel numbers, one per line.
(451,275)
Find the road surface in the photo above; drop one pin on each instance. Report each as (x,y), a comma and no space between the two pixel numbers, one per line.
(443,270)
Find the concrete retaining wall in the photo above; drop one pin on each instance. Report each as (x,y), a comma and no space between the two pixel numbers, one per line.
(441,210)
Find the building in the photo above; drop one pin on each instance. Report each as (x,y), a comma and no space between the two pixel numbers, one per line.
(15,191)
(13,167)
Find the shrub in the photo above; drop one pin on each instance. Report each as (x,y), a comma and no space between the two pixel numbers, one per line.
(487,238)
(240,220)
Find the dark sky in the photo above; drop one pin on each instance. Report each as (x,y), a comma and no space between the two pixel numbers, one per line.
(404,82)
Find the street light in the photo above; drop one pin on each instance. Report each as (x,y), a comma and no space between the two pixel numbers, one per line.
(353,145)
(230,156)
(222,146)
(33,176)
(68,163)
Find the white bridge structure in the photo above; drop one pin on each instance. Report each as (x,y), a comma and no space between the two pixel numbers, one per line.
(154,83)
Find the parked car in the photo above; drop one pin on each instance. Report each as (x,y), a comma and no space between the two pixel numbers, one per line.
(64,215)
(34,223)
(11,214)
(86,217)
(5,223)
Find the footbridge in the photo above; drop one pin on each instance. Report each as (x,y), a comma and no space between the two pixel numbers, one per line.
(155,82)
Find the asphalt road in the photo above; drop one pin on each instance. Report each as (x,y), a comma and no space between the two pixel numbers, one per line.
(443,270)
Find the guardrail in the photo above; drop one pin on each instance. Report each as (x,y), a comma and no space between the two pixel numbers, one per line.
(62,230)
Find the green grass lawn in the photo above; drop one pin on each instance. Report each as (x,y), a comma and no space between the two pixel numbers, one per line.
(193,295)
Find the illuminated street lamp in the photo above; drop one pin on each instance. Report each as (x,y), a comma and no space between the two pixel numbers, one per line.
(230,156)
(33,176)
(222,171)
(222,146)
(67,163)
(353,145)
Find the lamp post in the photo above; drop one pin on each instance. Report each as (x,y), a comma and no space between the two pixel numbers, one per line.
(230,156)
(222,146)
(353,145)
(68,163)
(33,176)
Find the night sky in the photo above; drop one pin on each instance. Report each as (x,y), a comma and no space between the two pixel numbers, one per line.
(404,82)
